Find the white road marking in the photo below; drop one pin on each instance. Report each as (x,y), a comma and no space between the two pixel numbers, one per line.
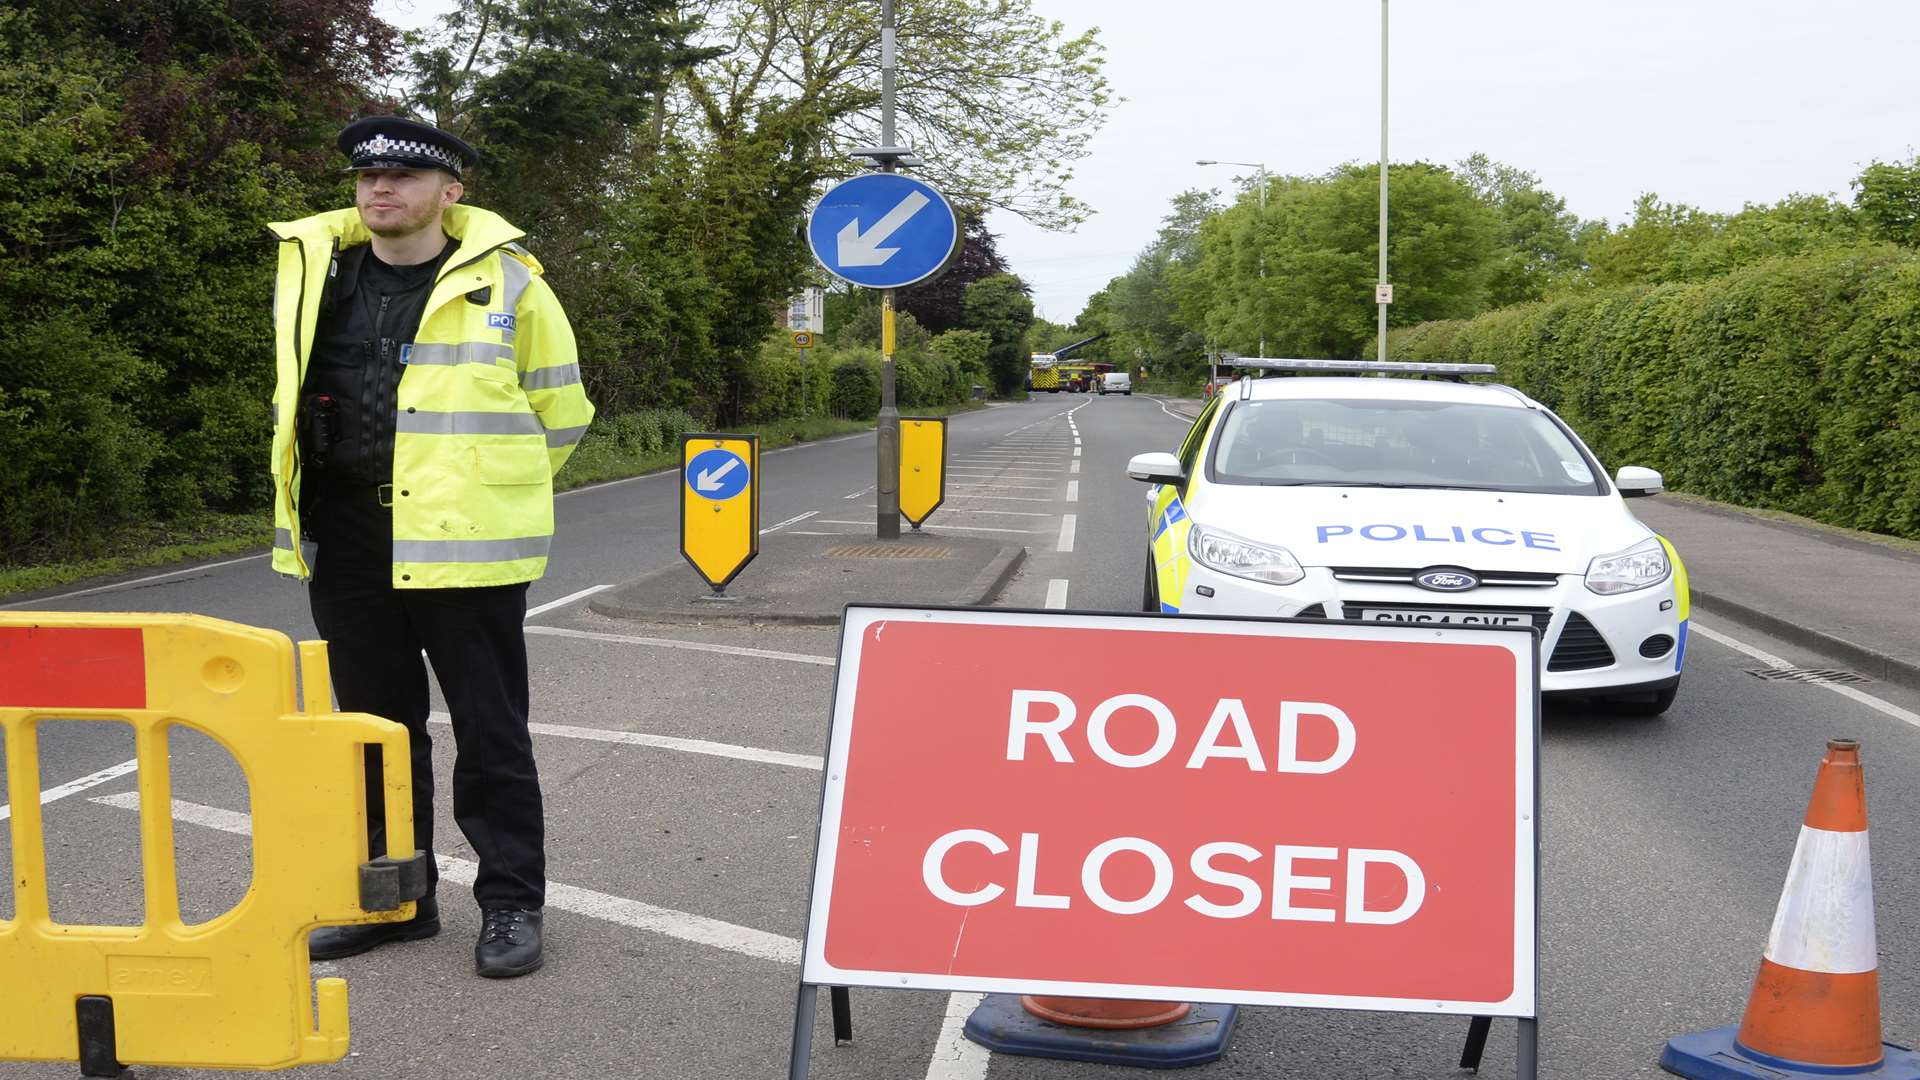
(136,581)
(1177,416)
(949,528)
(567,599)
(1057,593)
(1066,534)
(71,787)
(681,925)
(1076,467)
(955,1057)
(994,513)
(983,486)
(663,742)
(1888,708)
(1073,491)
(794,520)
(1076,451)
(859,493)
(675,643)
(1006,498)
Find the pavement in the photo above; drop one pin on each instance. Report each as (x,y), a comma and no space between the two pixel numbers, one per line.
(1850,595)
(807,579)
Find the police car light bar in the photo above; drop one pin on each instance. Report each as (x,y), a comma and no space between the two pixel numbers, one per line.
(1359,365)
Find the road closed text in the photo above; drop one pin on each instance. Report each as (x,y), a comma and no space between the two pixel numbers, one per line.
(1230,879)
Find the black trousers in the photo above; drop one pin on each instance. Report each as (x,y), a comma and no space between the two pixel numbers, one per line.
(475,639)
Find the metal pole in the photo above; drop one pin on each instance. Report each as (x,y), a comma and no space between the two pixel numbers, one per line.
(1258,239)
(886,488)
(1383,177)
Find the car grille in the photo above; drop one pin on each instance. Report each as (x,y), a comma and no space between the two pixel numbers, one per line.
(1399,575)
(1580,647)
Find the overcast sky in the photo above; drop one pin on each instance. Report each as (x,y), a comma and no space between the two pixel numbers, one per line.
(1708,102)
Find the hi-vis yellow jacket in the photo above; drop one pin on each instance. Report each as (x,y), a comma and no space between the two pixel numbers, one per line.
(490,405)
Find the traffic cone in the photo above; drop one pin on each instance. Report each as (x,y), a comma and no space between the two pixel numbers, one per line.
(1815,1006)
(1143,1034)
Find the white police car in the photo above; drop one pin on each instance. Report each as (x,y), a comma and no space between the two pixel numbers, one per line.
(1407,500)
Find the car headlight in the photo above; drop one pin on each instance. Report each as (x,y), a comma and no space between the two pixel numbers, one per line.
(1229,554)
(1641,566)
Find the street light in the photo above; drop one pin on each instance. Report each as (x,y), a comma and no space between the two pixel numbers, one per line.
(1261,246)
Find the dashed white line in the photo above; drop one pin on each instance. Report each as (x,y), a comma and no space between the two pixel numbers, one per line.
(664,742)
(680,925)
(567,599)
(1066,534)
(794,520)
(675,643)
(71,787)
(1076,451)
(948,528)
(859,493)
(1057,593)
(1076,467)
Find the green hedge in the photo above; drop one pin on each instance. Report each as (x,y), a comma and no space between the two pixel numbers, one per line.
(1792,384)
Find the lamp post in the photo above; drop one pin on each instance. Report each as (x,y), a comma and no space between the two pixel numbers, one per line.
(1261,307)
(1383,293)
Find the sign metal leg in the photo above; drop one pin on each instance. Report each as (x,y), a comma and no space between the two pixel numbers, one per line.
(803,1010)
(1526,1061)
(842,1003)
(1470,1054)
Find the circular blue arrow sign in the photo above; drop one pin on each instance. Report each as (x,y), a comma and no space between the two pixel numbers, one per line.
(717,474)
(882,230)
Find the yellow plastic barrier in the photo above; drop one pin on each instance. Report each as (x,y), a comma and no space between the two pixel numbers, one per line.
(234,992)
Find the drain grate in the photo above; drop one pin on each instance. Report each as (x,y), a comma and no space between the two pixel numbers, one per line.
(889,551)
(1808,675)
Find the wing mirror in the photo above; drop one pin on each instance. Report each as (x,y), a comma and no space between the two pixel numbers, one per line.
(1635,482)
(1157,468)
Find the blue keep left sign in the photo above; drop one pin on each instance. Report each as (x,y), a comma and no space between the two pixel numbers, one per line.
(883,230)
(718,474)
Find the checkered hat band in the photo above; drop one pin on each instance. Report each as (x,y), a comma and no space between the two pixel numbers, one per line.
(382,147)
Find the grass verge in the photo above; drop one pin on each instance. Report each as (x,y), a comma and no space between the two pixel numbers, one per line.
(215,536)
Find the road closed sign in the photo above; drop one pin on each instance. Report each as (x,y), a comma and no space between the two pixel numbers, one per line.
(1222,810)
(719,504)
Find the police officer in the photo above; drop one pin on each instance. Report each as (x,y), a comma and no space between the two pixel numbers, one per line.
(427,392)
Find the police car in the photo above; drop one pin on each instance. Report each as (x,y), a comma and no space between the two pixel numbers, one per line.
(1338,493)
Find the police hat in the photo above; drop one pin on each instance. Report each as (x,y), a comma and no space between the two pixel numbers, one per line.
(392,142)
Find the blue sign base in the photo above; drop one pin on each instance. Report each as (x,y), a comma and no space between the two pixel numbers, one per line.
(1001,1025)
(1714,1055)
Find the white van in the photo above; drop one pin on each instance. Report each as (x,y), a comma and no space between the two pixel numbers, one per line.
(1116,382)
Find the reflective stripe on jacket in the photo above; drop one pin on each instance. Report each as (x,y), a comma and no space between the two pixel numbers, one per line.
(489,407)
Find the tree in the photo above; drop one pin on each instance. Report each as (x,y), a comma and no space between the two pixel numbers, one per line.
(1000,308)
(146,146)
(1320,248)
(938,303)
(999,101)
(1887,197)
(1539,242)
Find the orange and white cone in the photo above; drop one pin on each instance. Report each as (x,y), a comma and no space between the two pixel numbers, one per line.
(1815,1006)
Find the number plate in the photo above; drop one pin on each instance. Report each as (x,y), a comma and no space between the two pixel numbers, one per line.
(1453,618)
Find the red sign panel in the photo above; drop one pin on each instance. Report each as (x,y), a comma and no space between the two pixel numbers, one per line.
(72,667)
(1204,809)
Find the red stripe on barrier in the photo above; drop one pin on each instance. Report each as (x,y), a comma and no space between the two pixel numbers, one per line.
(72,667)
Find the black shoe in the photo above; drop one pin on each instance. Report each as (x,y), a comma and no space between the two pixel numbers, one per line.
(334,942)
(509,943)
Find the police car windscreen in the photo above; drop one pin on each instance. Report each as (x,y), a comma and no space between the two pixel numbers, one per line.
(1374,443)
